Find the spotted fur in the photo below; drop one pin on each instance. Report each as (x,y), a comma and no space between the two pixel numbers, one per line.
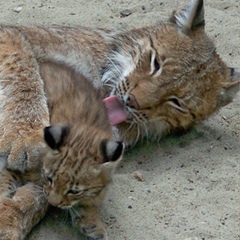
(168,76)
(81,154)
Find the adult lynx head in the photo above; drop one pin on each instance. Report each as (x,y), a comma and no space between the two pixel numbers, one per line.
(168,76)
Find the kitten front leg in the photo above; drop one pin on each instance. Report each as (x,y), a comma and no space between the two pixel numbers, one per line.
(90,223)
(23,105)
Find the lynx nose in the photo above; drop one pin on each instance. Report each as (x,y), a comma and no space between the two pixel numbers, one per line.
(132,102)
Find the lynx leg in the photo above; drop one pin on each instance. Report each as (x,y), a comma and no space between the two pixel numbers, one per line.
(23,105)
(21,212)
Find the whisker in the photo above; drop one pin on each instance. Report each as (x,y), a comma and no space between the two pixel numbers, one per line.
(70,211)
(129,128)
(119,72)
(109,85)
(146,130)
(138,132)
(201,100)
(76,212)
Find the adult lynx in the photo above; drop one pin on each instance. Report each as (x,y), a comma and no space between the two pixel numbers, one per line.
(167,77)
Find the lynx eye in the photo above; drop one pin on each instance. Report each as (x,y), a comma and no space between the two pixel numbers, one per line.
(155,65)
(175,101)
(178,104)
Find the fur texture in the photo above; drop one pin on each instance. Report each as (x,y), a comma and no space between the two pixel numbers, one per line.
(168,76)
(81,155)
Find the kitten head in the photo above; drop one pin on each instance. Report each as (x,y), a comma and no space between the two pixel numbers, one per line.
(78,166)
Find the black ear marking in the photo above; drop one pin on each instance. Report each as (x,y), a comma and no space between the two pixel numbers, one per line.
(111,150)
(54,136)
(190,18)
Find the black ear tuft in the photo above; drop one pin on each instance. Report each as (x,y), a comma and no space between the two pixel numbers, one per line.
(111,150)
(54,136)
(190,18)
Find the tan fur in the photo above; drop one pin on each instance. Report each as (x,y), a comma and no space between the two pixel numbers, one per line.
(78,164)
(191,84)
(168,76)
(77,172)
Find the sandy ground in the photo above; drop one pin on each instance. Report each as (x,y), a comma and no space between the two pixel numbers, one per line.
(191,182)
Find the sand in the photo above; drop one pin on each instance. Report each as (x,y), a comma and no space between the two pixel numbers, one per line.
(191,183)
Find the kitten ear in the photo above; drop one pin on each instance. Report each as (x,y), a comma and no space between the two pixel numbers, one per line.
(54,136)
(111,150)
(190,18)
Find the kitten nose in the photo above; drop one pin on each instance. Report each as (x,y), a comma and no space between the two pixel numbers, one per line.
(54,199)
(132,102)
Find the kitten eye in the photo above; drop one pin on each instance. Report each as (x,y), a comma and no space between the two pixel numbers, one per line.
(49,179)
(73,192)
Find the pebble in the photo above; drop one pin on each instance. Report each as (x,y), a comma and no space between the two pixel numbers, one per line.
(125,13)
(192,238)
(17,9)
(138,176)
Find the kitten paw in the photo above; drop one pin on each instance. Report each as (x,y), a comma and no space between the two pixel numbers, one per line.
(94,232)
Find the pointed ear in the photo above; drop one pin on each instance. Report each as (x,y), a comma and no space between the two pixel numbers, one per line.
(54,136)
(190,18)
(111,150)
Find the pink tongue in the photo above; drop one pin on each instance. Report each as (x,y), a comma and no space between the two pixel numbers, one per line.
(115,109)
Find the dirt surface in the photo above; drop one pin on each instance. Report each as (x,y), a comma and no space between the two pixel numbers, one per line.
(187,186)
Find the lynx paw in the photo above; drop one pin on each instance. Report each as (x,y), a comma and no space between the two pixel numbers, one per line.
(22,151)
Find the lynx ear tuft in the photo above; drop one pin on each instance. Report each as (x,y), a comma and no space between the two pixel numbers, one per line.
(190,18)
(54,136)
(111,150)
